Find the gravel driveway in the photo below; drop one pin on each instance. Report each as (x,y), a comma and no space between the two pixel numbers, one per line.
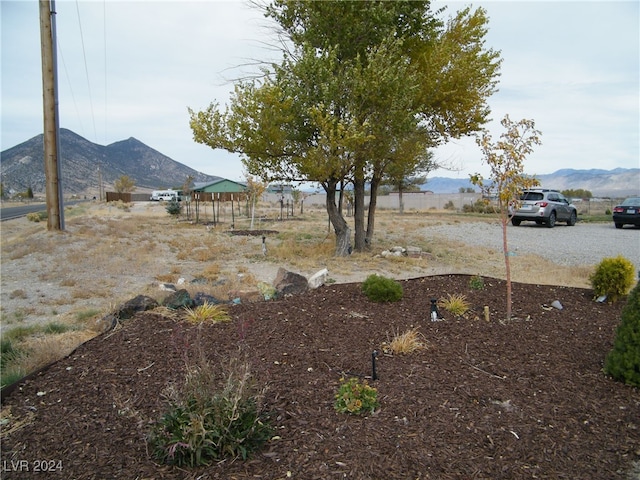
(582,244)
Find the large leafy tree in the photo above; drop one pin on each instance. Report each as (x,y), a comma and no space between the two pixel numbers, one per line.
(367,88)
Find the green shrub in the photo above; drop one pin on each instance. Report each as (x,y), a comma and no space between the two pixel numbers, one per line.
(355,397)
(36,216)
(210,418)
(623,361)
(382,289)
(476,283)
(174,207)
(613,278)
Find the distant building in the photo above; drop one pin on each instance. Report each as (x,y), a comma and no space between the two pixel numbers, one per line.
(221,189)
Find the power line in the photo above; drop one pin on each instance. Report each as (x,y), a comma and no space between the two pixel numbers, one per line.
(86,70)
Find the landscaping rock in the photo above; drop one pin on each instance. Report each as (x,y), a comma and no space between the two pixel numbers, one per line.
(290,283)
(318,279)
(201,298)
(179,299)
(137,304)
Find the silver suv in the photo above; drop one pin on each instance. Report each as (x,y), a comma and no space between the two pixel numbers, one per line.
(544,206)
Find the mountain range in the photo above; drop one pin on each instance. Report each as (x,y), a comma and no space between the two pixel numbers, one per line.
(616,183)
(86,166)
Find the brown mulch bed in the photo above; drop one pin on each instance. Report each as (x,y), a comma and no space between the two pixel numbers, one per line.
(491,400)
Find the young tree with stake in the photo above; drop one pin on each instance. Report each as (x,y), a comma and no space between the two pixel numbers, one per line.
(507,180)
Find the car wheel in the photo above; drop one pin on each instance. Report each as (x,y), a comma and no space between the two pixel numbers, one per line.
(573,218)
(619,225)
(515,222)
(551,221)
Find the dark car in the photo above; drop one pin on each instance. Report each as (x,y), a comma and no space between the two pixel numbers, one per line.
(627,213)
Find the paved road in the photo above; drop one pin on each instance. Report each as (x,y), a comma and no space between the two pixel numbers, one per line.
(9,213)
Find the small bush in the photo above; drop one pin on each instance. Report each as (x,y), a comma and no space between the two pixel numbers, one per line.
(456,304)
(36,216)
(382,289)
(449,205)
(174,207)
(210,418)
(612,278)
(476,283)
(407,342)
(207,312)
(623,361)
(356,398)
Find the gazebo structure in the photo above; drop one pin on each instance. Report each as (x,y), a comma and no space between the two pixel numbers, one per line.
(217,192)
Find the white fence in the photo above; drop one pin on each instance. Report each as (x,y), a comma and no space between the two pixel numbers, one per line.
(412,201)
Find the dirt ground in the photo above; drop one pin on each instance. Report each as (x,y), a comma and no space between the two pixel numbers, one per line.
(486,400)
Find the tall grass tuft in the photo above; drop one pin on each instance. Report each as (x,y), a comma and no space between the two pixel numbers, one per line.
(407,342)
(455,304)
(207,312)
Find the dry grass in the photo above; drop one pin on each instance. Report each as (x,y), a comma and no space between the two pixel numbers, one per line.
(405,343)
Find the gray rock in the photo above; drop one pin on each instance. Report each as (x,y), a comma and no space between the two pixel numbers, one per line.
(179,299)
(137,304)
(201,298)
(556,304)
(289,282)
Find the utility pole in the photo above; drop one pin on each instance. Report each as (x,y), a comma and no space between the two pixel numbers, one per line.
(55,215)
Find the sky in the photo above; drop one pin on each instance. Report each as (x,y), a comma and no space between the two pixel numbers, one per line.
(132,68)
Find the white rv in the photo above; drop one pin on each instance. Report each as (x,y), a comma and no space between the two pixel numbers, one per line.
(166,195)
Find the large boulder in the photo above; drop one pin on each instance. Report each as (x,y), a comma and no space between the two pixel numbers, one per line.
(290,283)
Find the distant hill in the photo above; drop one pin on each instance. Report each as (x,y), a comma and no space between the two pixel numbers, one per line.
(619,182)
(85,164)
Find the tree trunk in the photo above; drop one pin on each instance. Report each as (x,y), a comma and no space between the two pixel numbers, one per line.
(507,263)
(358,210)
(340,227)
(401,206)
(373,202)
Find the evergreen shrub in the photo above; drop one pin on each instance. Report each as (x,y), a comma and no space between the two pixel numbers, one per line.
(623,361)
(612,278)
(382,289)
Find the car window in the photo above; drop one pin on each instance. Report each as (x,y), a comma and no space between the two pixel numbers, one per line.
(532,196)
(631,201)
(553,197)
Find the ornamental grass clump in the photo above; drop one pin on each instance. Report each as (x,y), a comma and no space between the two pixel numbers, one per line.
(455,304)
(613,278)
(356,398)
(207,312)
(382,289)
(407,342)
(210,418)
(623,361)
